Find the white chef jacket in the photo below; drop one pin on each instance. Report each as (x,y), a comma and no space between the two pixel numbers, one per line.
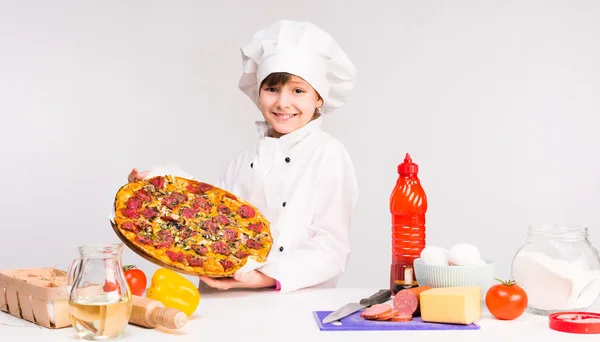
(305,185)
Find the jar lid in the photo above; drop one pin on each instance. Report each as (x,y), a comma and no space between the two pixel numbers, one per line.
(575,322)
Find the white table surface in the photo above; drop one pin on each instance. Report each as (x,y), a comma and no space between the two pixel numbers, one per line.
(272,316)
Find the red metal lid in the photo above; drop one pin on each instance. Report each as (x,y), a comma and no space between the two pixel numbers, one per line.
(575,322)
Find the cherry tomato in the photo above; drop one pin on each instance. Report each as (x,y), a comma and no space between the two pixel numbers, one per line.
(136,279)
(506,300)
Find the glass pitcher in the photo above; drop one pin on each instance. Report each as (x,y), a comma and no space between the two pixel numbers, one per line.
(99,298)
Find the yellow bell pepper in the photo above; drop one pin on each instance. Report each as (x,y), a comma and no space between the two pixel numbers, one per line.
(174,291)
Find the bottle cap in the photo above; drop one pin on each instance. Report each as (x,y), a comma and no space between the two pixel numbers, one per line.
(408,167)
(575,322)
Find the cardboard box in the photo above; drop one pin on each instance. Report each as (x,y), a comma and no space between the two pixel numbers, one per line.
(38,295)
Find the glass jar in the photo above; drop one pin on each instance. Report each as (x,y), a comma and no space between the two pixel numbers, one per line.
(99,298)
(559,269)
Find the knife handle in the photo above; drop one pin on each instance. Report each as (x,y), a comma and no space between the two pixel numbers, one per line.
(379,297)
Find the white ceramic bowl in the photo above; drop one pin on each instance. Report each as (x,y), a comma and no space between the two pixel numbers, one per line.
(454,276)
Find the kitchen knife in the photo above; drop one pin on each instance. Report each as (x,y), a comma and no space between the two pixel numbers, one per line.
(350,308)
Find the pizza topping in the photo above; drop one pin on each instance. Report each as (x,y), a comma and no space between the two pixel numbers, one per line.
(220,247)
(134,203)
(144,239)
(165,234)
(240,254)
(224,209)
(150,213)
(179,197)
(246,211)
(181,243)
(198,188)
(256,227)
(175,256)
(187,233)
(200,249)
(188,213)
(206,187)
(169,202)
(227,264)
(253,244)
(150,188)
(158,182)
(211,227)
(194,188)
(129,226)
(145,227)
(171,217)
(165,239)
(201,203)
(231,234)
(143,195)
(230,196)
(222,219)
(130,213)
(193,260)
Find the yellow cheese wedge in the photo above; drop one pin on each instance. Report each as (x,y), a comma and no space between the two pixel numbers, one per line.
(457,305)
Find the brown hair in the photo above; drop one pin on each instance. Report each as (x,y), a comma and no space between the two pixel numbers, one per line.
(276,79)
(279,79)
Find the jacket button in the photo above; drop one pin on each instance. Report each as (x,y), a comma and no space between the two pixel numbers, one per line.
(281,249)
(287,159)
(251,165)
(284,204)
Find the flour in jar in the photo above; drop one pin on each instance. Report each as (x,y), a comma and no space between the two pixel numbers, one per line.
(553,284)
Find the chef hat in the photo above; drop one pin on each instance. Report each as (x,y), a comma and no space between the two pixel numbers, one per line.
(302,49)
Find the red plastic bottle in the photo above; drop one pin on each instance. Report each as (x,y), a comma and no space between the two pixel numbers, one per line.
(408,205)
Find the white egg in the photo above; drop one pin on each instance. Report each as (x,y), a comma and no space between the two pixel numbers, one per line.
(463,254)
(433,255)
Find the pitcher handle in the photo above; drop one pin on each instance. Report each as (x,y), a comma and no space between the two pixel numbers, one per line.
(72,274)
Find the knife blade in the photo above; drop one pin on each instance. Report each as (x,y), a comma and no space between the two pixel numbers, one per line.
(380,296)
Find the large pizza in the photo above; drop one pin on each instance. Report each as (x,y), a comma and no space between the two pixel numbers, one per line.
(191,226)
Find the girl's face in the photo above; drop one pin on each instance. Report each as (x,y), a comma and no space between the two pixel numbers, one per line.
(288,106)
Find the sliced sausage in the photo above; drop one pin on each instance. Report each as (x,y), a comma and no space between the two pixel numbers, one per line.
(246,211)
(406,302)
(376,310)
(401,317)
(417,291)
(387,316)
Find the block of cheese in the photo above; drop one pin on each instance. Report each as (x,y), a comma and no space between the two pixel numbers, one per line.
(457,305)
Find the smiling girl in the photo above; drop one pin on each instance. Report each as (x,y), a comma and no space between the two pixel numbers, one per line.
(300,177)
(287,102)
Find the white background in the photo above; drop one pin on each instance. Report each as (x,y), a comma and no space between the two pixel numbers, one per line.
(497,101)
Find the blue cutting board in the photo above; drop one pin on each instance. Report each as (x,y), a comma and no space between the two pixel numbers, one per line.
(354,322)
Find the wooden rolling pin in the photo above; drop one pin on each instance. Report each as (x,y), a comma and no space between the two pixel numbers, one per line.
(151,313)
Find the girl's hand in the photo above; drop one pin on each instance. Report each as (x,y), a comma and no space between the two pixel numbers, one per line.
(249,280)
(135,176)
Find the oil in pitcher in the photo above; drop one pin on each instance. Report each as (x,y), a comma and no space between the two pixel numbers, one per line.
(99,298)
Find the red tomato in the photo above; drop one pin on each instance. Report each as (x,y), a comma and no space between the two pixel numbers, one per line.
(506,300)
(136,279)
(109,286)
